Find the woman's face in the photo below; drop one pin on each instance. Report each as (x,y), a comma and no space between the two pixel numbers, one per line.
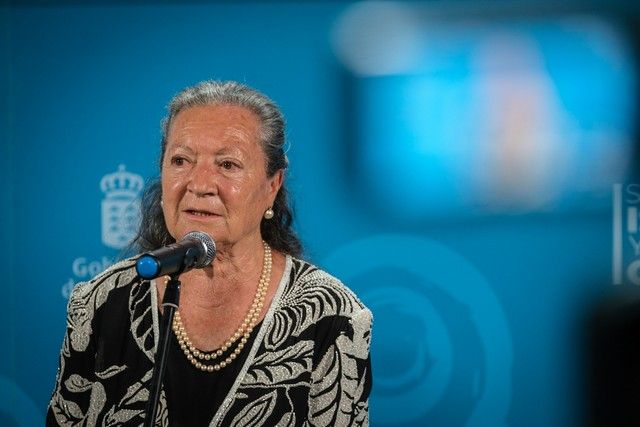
(214,175)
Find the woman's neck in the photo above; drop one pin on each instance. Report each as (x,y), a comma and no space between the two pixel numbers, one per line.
(236,269)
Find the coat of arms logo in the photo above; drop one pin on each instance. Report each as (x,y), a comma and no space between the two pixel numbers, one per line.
(120,207)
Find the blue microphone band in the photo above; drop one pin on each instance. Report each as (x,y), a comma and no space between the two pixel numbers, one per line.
(147,267)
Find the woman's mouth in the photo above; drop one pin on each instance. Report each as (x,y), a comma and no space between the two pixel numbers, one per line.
(203,214)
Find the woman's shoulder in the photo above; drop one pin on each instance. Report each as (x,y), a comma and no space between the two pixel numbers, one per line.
(88,298)
(120,274)
(309,282)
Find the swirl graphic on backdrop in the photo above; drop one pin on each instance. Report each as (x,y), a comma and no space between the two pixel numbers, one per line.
(441,347)
(16,408)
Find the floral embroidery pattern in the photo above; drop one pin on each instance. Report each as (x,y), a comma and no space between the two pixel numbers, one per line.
(310,367)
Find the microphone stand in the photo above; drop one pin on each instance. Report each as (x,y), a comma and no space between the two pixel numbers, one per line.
(170,303)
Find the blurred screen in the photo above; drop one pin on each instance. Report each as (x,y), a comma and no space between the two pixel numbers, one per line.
(464,115)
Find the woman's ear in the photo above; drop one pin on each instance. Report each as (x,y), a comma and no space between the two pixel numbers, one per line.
(275,182)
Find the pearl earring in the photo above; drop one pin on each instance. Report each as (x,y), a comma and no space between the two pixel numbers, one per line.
(268,214)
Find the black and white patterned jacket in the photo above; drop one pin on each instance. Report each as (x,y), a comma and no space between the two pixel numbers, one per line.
(308,366)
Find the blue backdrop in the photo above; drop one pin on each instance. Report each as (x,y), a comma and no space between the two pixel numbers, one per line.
(465,195)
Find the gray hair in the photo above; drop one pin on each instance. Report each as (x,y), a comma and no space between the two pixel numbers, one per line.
(277,231)
(233,93)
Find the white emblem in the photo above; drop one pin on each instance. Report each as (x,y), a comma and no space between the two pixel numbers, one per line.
(120,207)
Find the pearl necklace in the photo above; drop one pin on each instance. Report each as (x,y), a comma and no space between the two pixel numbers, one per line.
(241,336)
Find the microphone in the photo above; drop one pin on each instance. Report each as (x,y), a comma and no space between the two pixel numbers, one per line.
(195,250)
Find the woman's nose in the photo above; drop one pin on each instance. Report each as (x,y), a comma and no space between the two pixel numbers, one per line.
(203,180)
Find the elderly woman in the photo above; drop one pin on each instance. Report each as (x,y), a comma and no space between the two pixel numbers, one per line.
(261,337)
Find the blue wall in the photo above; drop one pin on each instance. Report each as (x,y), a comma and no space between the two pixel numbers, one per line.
(478,319)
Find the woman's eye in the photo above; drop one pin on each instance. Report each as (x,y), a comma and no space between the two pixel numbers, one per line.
(228,165)
(177,161)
